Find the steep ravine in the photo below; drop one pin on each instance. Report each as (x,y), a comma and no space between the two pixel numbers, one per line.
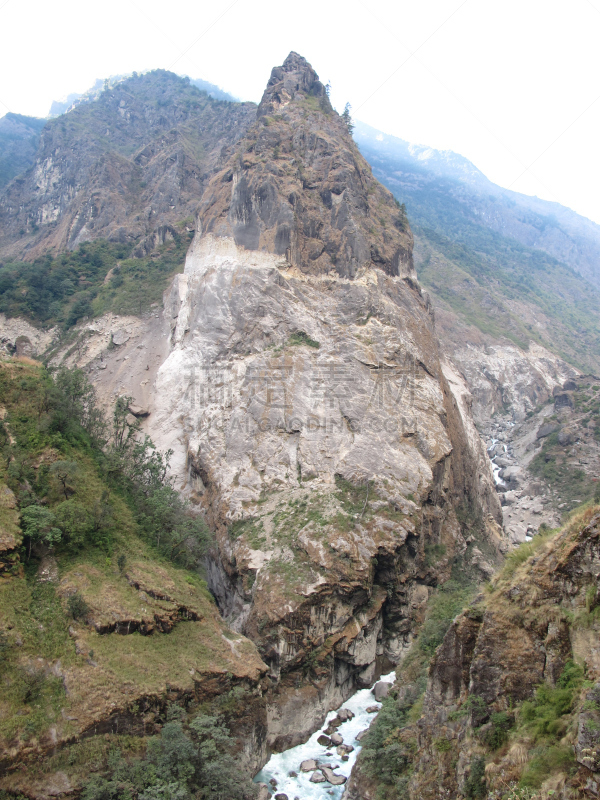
(295,372)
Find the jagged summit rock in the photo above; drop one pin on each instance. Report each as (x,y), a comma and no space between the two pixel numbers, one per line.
(296,186)
(294,75)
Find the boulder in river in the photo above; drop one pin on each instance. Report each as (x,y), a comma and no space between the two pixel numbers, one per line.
(344,714)
(323,740)
(263,792)
(381,690)
(343,749)
(373,709)
(281,796)
(309,765)
(332,725)
(317,777)
(360,736)
(336,739)
(334,780)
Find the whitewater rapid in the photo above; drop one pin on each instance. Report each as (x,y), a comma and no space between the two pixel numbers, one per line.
(281,764)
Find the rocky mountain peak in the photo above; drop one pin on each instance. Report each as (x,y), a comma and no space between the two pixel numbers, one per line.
(297,186)
(293,76)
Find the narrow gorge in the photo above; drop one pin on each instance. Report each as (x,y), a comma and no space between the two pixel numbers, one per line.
(360,456)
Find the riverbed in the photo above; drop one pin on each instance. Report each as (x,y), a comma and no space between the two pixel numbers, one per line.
(281,764)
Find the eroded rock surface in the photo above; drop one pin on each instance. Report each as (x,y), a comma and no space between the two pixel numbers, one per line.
(301,390)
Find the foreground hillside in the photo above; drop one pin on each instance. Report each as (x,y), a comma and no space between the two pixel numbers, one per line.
(103,626)
(511,707)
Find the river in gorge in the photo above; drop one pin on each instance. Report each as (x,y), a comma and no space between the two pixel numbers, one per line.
(280,765)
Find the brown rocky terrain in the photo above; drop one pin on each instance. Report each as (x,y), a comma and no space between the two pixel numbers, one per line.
(335,446)
(124,167)
(507,708)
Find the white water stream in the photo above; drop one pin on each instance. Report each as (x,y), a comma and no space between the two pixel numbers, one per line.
(281,764)
(495,468)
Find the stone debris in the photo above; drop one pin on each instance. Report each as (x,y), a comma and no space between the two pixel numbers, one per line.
(334,780)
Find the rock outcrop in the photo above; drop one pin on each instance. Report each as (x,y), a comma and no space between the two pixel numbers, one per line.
(295,374)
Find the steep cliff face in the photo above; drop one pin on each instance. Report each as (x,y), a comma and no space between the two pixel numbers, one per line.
(298,187)
(295,373)
(133,161)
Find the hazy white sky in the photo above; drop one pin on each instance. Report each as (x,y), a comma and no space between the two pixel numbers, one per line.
(514,86)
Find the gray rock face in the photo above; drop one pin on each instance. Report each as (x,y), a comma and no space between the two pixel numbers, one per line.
(381,690)
(334,780)
(295,75)
(303,191)
(567,437)
(85,184)
(546,430)
(292,380)
(563,400)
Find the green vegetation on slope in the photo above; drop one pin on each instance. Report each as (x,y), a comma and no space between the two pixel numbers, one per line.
(104,538)
(98,277)
(183,761)
(76,479)
(506,289)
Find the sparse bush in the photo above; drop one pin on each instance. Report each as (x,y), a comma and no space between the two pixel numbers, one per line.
(475,785)
(300,337)
(77,606)
(497,734)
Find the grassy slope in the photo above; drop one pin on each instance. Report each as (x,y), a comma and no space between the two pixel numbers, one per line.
(62,290)
(59,674)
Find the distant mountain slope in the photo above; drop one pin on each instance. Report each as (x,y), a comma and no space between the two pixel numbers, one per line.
(121,167)
(476,250)
(19,137)
(75,99)
(448,193)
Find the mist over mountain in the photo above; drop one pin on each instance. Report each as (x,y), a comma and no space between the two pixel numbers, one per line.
(72,100)
(19,137)
(447,193)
